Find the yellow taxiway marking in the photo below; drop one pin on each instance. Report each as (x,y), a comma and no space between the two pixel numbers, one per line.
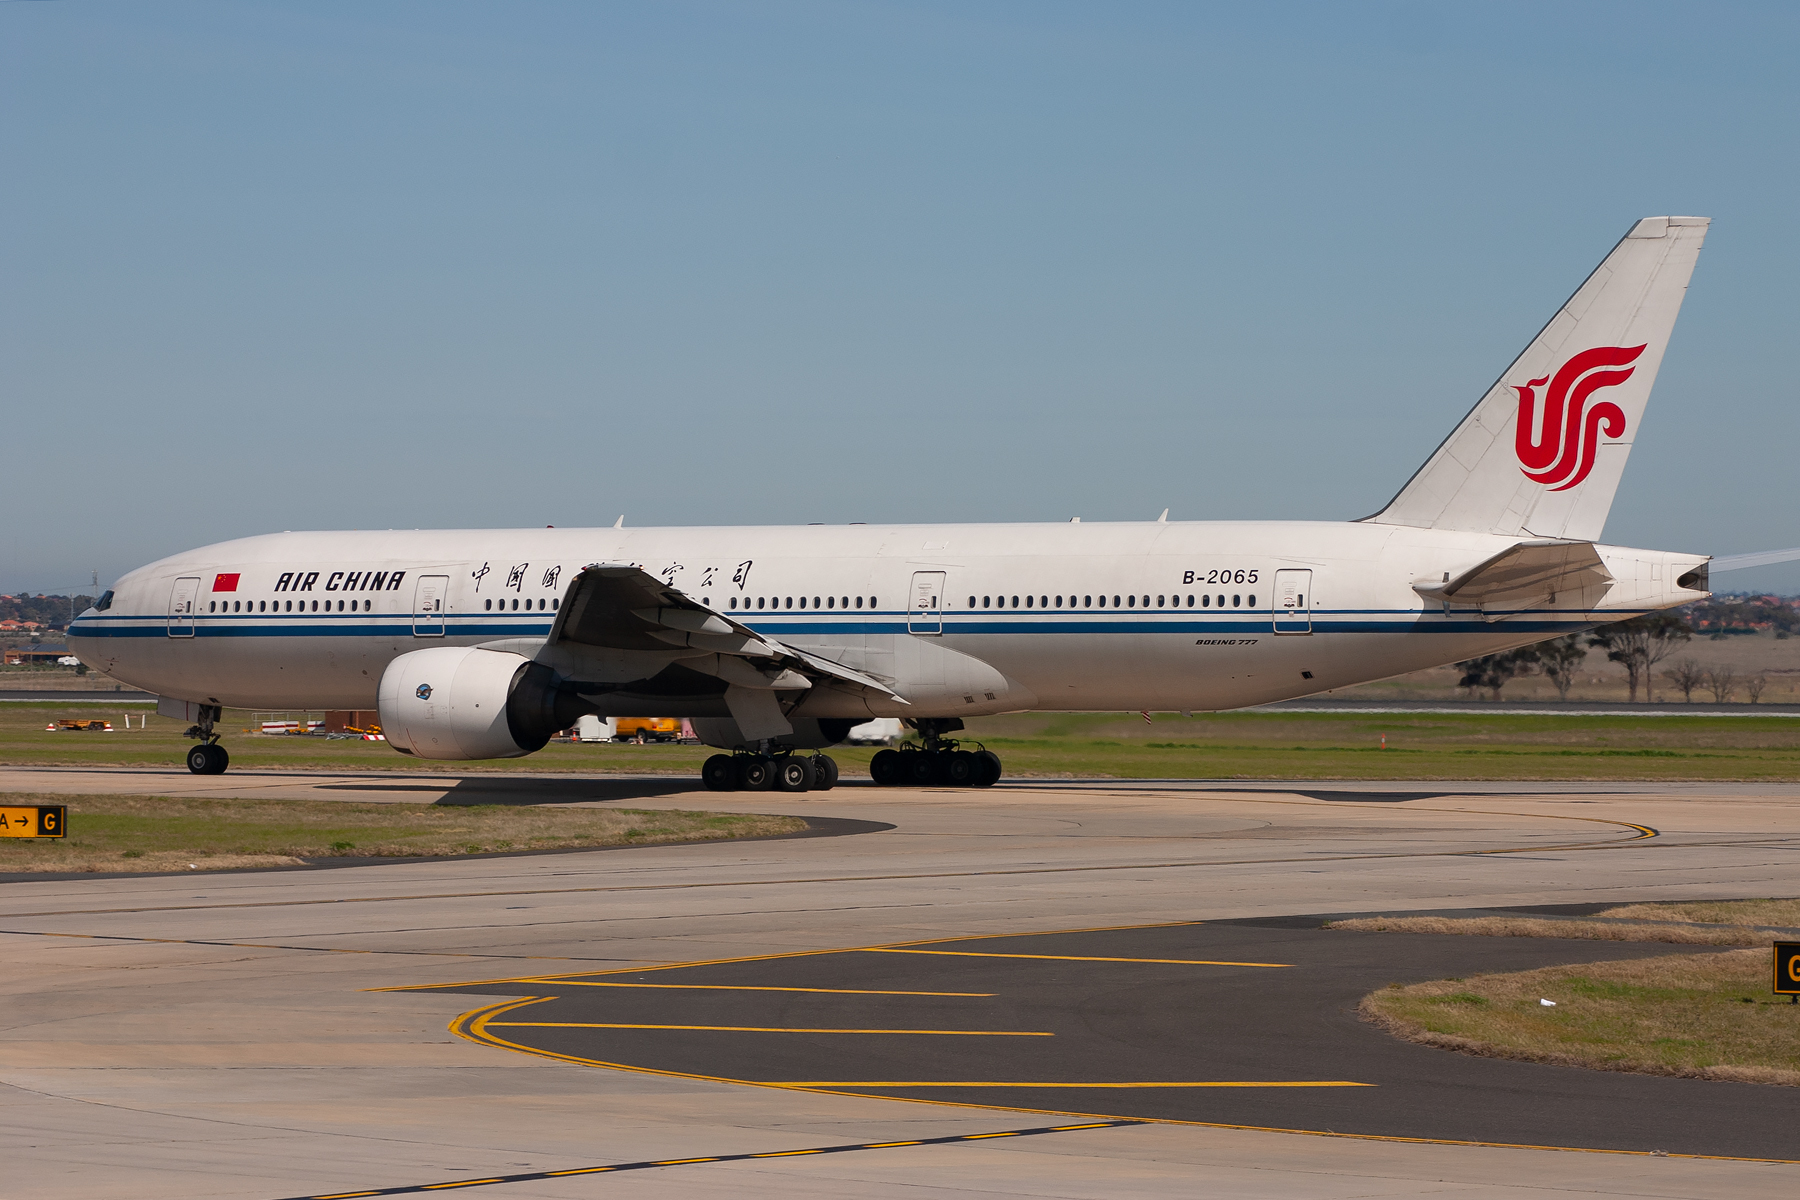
(1026,1083)
(734,987)
(762,1028)
(1184,962)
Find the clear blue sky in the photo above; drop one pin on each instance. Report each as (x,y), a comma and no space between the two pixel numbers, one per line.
(369,264)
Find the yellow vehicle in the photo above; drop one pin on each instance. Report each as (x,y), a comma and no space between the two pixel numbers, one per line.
(647,729)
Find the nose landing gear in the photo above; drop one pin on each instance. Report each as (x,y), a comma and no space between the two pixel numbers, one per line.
(781,771)
(941,762)
(208,758)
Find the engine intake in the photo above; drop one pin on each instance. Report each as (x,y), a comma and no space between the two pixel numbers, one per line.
(461,702)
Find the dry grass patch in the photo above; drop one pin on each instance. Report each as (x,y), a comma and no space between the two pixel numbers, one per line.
(1720,912)
(157,833)
(1704,1016)
(1544,927)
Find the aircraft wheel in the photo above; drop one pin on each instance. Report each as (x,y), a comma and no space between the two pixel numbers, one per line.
(921,768)
(719,773)
(963,769)
(793,774)
(755,774)
(990,764)
(825,772)
(207,759)
(884,768)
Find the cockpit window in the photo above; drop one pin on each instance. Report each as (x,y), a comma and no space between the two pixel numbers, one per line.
(104,602)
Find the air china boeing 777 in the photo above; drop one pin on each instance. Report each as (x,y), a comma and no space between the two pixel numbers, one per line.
(776,641)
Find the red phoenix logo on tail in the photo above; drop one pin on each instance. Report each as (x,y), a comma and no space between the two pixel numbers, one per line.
(1559,449)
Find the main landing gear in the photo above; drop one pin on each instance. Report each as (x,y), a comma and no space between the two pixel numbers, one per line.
(941,762)
(764,772)
(208,758)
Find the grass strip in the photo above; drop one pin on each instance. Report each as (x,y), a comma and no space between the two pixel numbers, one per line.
(159,833)
(1245,745)
(1701,1016)
(1720,912)
(1547,927)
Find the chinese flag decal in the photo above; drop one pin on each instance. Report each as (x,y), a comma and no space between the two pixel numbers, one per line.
(225,583)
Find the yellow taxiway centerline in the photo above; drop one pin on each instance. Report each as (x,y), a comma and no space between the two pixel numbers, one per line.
(735,987)
(1181,962)
(761,1028)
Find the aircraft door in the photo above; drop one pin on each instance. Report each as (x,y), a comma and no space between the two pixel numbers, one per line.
(430,596)
(1293,602)
(182,602)
(925,606)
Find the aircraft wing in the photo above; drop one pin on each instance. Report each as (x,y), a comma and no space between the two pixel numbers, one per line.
(620,607)
(1523,576)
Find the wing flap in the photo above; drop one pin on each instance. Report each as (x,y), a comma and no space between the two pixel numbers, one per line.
(622,607)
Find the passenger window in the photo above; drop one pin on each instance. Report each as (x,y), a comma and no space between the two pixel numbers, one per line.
(1221,599)
(1015,602)
(859,602)
(1159,602)
(1103,602)
(1206,602)
(803,602)
(1027,602)
(1089,600)
(212,606)
(871,602)
(790,602)
(1190,601)
(1043,602)
(1059,602)
(815,602)
(1234,601)
(844,602)
(1131,602)
(315,606)
(759,602)
(556,603)
(831,602)
(1252,599)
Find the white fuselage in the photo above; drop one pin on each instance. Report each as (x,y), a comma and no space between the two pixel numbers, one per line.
(963,620)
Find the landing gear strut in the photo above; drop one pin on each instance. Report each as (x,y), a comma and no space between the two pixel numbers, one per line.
(940,762)
(769,770)
(208,758)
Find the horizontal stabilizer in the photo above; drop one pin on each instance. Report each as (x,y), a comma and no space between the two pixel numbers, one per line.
(1527,575)
(1762,558)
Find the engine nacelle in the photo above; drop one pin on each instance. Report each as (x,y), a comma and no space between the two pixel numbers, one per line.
(462,702)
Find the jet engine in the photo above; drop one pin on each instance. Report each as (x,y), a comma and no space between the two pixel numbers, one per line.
(462,702)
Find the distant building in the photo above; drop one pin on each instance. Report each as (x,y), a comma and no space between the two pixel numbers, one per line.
(20,655)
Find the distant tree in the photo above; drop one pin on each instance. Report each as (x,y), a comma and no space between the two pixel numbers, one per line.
(1754,685)
(1721,682)
(1640,643)
(1491,672)
(1558,658)
(1686,675)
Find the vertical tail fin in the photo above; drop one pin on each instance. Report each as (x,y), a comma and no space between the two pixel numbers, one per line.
(1542,453)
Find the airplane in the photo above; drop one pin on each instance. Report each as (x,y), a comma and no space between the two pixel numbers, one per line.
(776,641)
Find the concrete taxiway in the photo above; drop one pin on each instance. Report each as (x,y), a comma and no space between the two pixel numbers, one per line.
(241,1035)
